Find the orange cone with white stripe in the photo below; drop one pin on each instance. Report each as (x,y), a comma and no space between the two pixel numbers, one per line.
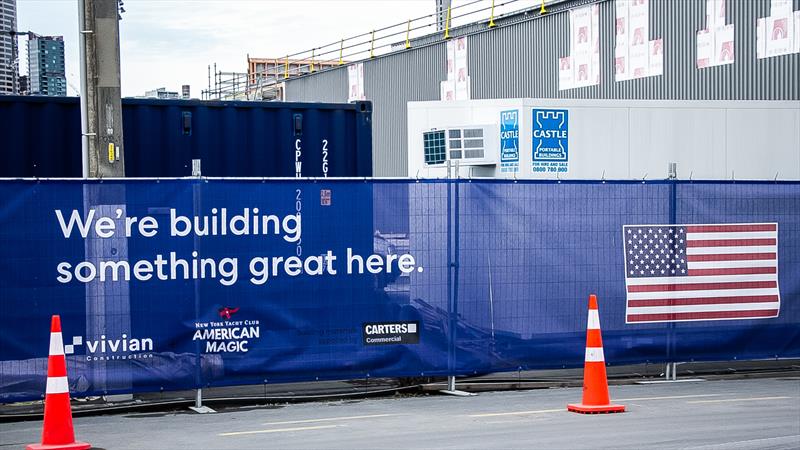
(58,433)
(595,384)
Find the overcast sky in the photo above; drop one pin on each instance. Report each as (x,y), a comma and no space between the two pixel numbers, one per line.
(167,43)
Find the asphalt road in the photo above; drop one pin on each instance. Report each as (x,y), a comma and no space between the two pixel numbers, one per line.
(731,414)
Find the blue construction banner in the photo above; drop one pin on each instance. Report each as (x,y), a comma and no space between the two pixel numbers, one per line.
(186,283)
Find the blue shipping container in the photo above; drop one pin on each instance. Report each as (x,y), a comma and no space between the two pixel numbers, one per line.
(41,138)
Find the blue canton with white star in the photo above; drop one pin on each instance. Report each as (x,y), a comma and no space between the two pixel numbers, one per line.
(655,251)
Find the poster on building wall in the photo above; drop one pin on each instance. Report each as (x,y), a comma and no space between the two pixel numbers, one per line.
(761,42)
(460,57)
(656,59)
(715,42)
(447,90)
(451,60)
(635,55)
(779,36)
(461,69)
(596,43)
(715,13)
(355,81)
(565,73)
(705,48)
(723,45)
(457,85)
(637,50)
(797,31)
(781,7)
(779,33)
(463,90)
(582,67)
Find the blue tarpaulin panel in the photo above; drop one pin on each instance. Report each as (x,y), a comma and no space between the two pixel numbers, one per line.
(178,284)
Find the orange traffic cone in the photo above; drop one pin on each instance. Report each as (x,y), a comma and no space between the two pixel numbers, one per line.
(57,433)
(595,385)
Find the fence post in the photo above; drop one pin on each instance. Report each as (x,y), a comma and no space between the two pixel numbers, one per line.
(450,341)
(453,216)
(673,219)
(197,207)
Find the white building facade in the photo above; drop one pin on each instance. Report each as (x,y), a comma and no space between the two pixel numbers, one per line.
(611,139)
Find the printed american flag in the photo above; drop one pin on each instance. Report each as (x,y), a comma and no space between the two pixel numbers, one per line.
(676,273)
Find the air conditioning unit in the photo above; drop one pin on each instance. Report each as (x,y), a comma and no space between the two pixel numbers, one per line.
(475,145)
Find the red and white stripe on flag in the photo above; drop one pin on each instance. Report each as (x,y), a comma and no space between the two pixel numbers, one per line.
(676,273)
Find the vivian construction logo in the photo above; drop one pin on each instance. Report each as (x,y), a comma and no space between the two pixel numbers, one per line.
(385,333)
(111,348)
(227,335)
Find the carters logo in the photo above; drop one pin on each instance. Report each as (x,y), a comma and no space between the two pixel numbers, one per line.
(385,333)
(226,312)
(112,348)
(227,336)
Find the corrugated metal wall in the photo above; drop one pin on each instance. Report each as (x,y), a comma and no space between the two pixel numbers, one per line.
(519,59)
(329,86)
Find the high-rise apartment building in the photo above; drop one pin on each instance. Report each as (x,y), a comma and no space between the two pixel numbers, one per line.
(46,72)
(8,24)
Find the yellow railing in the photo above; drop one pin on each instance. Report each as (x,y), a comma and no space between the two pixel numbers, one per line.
(393,37)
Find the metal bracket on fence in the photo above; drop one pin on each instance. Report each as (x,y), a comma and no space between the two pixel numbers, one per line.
(671,376)
(196,168)
(603,176)
(451,389)
(198,404)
